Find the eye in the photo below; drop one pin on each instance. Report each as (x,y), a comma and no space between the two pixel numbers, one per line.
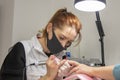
(62,38)
(68,44)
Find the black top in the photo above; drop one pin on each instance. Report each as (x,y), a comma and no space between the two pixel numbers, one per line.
(13,67)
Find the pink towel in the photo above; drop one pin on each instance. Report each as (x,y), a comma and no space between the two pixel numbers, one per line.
(78,76)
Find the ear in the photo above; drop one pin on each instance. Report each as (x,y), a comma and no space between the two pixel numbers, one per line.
(49,30)
(49,27)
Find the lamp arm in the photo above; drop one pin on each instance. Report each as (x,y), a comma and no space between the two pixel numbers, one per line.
(99,25)
(101,34)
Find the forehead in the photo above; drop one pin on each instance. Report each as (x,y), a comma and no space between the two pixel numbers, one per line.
(68,32)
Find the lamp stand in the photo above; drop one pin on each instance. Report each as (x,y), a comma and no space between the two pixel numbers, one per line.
(101,34)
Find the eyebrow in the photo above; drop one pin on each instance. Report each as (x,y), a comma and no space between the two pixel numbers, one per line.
(67,37)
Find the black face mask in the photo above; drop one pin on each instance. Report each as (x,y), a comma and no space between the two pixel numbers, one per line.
(54,45)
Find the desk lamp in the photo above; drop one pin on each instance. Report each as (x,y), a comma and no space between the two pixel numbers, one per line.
(94,6)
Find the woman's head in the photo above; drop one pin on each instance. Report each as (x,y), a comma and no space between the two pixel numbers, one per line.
(65,26)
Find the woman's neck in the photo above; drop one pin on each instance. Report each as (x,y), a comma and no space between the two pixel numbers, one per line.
(43,43)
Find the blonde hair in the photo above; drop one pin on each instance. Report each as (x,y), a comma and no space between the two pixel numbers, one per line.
(63,18)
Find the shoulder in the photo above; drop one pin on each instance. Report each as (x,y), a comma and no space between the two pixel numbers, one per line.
(16,53)
(16,49)
(18,46)
(116,72)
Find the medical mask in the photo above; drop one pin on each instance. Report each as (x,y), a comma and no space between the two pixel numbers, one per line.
(54,45)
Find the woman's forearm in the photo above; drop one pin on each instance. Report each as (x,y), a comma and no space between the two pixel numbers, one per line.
(45,78)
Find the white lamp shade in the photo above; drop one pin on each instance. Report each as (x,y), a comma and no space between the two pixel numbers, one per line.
(90,5)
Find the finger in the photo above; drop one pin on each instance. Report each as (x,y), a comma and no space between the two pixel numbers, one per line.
(61,63)
(51,60)
(73,70)
(52,57)
(57,61)
(72,63)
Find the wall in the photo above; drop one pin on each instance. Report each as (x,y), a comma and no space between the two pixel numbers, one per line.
(6,24)
(29,16)
(111,20)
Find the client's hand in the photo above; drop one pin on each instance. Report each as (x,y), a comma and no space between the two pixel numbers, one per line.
(77,68)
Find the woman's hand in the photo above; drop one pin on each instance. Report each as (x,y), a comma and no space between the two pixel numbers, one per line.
(52,67)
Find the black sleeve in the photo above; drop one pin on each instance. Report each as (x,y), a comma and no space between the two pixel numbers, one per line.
(14,64)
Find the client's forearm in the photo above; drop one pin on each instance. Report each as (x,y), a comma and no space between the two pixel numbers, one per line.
(105,72)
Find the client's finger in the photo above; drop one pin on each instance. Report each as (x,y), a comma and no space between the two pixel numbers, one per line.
(73,70)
